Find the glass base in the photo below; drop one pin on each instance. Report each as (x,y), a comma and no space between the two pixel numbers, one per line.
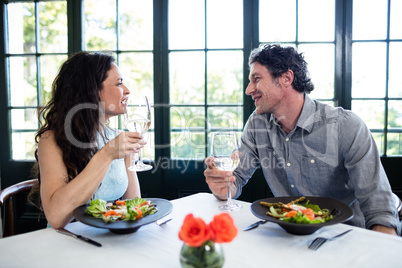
(230,206)
(140,167)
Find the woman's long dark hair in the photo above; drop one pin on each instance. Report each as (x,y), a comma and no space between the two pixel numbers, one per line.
(73,111)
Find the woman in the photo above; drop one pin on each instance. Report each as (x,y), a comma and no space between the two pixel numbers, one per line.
(78,156)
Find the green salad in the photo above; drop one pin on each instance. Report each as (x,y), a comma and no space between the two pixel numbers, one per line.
(121,210)
(296,212)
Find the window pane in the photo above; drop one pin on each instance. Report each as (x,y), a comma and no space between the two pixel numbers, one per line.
(136,24)
(21,28)
(225,29)
(368,71)
(395,115)
(270,13)
(379,140)
(395,70)
(50,65)
(188,145)
(23,81)
(225,77)
(370,19)
(321,66)
(394,144)
(396,19)
(24,119)
(137,71)
(186,24)
(187,134)
(187,118)
(23,145)
(225,117)
(187,85)
(53,26)
(100,24)
(323,22)
(372,112)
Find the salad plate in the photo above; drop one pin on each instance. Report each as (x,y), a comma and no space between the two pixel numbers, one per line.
(125,227)
(342,213)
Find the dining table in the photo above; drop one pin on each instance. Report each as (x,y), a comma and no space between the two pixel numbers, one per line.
(154,245)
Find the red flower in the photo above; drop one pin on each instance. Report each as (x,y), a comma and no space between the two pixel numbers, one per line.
(222,228)
(194,231)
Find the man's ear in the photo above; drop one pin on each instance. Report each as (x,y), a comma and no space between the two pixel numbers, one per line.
(287,78)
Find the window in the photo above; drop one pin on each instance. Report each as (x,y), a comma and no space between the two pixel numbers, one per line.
(125,29)
(36,46)
(376,91)
(205,73)
(193,64)
(301,30)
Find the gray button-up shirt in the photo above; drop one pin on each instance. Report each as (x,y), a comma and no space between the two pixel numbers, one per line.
(330,153)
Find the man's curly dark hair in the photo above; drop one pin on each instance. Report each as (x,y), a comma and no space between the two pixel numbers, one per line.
(278,60)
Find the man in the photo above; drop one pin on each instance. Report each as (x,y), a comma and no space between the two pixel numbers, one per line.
(307,148)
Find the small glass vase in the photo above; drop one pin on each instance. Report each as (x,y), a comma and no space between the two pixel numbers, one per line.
(208,255)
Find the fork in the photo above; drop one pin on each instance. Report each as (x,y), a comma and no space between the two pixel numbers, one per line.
(321,240)
(163,221)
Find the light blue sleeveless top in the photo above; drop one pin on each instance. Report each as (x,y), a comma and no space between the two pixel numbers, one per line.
(115,182)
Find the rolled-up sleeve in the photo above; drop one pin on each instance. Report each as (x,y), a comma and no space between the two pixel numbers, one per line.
(370,183)
(249,159)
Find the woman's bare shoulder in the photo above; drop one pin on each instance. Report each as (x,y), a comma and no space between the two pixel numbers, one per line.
(47,139)
(48,134)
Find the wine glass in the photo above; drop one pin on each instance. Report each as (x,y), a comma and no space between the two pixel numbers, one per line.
(138,119)
(225,150)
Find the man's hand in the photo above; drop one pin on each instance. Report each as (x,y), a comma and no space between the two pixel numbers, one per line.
(217,179)
(384,229)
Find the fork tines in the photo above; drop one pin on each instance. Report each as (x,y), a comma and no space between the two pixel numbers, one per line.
(317,243)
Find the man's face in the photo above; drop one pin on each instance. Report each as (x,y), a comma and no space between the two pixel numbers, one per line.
(266,92)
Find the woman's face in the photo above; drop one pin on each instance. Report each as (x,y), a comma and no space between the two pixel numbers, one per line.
(114,93)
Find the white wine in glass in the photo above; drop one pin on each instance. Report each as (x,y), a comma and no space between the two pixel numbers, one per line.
(225,150)
(138,119)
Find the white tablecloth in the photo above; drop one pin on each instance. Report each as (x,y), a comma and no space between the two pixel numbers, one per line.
(159,246)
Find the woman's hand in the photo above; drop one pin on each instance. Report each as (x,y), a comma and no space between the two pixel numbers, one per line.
(124,144)
(217,179)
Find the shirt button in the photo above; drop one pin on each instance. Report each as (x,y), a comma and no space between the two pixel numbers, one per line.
(312,161)
(287,139)
(288,164)
(292,186)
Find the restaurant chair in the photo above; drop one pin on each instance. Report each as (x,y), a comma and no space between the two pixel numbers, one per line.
(6,203)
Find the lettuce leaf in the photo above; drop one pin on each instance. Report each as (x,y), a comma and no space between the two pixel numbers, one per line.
(315,208)
(96,208)
(131,203)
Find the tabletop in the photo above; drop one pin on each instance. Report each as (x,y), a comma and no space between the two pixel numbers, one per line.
(159,246)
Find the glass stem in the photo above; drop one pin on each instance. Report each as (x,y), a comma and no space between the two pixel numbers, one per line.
(140,158)
(229,194)
(132,159)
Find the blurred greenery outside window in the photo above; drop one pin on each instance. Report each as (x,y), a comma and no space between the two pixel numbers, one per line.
(37,44)
(377,52)
(205,62)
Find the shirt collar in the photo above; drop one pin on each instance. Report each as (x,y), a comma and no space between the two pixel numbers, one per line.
(307,110)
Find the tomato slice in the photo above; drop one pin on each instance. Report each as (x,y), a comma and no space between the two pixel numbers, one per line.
(120,202)
(110,213)
(309,213)
(139,211)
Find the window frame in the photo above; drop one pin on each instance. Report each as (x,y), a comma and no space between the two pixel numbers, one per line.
(13,171)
